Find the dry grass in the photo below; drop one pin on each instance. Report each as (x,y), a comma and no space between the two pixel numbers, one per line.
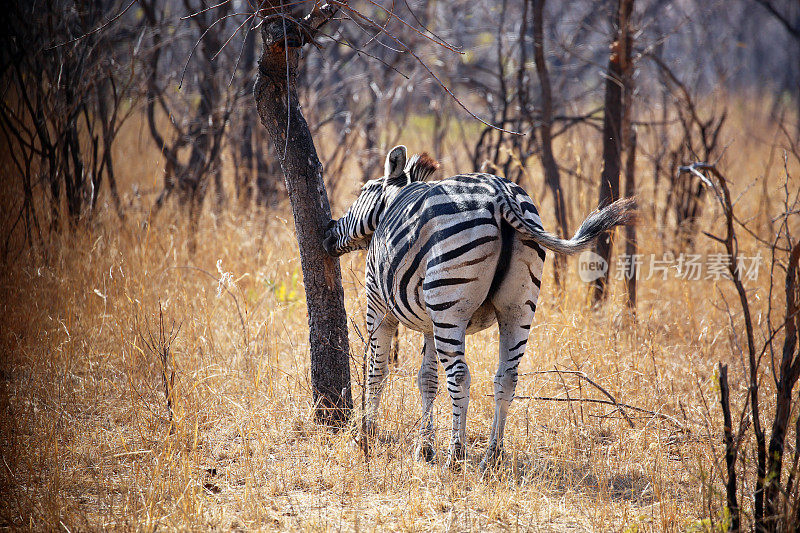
(87,441)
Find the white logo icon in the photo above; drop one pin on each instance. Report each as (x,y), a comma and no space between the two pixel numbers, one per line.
(591,266)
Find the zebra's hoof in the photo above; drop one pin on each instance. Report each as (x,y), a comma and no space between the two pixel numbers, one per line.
(456,457)
(493,458)
(425,452)
(370,429)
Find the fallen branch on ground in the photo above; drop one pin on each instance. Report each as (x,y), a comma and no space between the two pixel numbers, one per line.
(583,376)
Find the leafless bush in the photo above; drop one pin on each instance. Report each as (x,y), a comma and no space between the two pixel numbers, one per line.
(65,97)
(200,124)
(700,140)
(776,502)
(158,345)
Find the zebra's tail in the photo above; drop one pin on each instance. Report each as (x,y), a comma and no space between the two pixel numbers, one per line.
(621,212)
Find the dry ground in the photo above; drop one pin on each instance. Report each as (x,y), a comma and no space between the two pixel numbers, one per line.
(86,440)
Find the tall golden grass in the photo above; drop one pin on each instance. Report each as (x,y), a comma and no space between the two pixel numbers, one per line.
(86,438)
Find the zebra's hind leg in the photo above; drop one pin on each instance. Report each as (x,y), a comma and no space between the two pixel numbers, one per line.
(514,324)
(380,338)
(449,343)
(428,383)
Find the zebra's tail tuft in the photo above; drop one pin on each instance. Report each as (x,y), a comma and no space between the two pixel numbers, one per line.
(621,212)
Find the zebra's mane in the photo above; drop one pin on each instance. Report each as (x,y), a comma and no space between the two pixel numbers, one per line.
(421,166)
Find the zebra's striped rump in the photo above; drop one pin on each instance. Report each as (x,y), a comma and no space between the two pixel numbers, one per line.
(448,258)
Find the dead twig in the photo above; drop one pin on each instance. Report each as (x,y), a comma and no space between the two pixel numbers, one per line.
(582,375)
(159,345)
(618,405)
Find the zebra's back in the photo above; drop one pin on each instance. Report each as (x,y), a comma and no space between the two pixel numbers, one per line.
(443,247)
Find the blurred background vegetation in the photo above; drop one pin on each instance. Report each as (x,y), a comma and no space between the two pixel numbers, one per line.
(153,334)
(84,80)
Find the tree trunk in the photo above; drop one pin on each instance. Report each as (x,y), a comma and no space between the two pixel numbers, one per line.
(551,174)
(612,132)
(279,110)
(629,140)
(246,171)
(630,230)
(788,375)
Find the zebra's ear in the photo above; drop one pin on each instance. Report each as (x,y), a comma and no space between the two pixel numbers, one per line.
(394,169)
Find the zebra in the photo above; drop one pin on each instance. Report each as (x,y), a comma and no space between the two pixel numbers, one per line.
(449,258)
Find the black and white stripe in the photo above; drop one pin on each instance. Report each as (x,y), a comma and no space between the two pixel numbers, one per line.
(448,258)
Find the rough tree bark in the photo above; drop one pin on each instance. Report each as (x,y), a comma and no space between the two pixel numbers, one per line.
(612,131)
(279,109)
